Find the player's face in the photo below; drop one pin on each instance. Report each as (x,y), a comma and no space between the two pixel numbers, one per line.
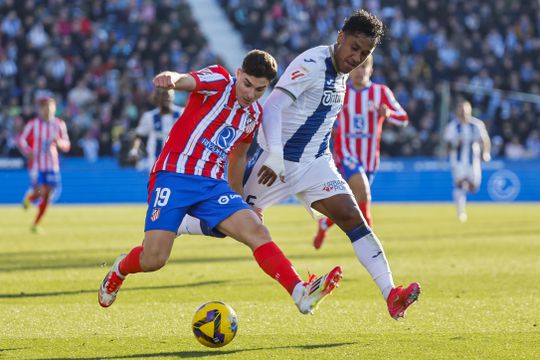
(165,98)
(352,50)
(249,88)
(360,76)
(47,109)
(464,111)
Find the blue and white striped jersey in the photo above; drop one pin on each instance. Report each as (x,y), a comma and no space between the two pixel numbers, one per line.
(466,140)
(318,91)
(157,127)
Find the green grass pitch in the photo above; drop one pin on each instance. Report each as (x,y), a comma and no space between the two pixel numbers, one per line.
(480,281)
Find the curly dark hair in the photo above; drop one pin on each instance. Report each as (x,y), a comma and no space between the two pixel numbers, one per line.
(363,22)
(260,64)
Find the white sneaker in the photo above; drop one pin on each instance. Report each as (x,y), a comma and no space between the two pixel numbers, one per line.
(462,217)
(315,290)
(111,284)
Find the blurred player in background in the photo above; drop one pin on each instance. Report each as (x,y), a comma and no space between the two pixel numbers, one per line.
(298,119)
(357,137)
(39,143)
(219,122)
(155,125)
(468,144)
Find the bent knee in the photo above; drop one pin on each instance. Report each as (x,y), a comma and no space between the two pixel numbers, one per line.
(153,262)
(256,237)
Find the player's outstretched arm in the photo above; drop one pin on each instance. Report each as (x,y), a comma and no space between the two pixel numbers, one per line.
(63,142)
(486,143)
(174,80)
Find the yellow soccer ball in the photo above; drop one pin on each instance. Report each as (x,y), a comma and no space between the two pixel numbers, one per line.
(214,324)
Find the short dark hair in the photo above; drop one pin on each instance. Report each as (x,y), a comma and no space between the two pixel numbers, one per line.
(363,22)
(260,64)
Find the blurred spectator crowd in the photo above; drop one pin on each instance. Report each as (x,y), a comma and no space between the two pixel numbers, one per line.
(492,44)
(98,57)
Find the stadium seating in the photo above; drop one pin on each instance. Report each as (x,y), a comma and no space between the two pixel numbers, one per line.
(99,58)
(494,44)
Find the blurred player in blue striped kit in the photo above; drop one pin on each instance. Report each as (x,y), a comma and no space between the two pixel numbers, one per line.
(155,125)
(468,144)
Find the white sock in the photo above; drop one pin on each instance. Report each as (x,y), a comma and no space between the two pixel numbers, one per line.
(369,251)
(298,291)
(460,200)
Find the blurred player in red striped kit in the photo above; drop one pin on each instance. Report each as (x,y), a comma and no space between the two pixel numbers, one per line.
(39,143)
(357,137)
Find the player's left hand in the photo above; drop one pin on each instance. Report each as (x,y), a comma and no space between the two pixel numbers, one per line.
(166,79)
(384,111)
(266,176)
(273,167)
(486,157)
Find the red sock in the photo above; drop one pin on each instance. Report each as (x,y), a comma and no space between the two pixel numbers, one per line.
(329,222)
(275,263)
(366,211)
(33,196)
(131,264)
(41,210)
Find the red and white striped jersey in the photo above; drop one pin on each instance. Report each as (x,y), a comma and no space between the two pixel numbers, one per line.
(359,126)
(212,123)
(42,139)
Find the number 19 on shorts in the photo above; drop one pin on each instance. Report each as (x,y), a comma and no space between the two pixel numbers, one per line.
(162,196)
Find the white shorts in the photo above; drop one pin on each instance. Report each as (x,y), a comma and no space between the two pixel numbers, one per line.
(470,172)
(309,182)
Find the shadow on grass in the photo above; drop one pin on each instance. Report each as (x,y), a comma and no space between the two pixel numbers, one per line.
(86,263)
(54,264)
(205,353)
(11,349)
(77,292)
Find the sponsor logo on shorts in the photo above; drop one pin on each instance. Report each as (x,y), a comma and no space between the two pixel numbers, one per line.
(155,214)
(224,199)
(334,185)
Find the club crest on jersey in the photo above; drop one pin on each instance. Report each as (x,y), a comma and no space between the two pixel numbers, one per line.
(155,214)
(334,185)
(250,123)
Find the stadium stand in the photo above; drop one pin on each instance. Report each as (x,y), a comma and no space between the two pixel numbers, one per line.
(491,44)
(99,58)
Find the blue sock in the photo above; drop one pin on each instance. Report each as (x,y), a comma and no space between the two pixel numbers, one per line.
(358,232)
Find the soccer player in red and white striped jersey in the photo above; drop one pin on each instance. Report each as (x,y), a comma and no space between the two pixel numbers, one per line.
(218,123)
(357,137)
(39,142)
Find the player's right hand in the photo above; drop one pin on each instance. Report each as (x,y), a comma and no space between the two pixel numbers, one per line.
(166,79)
(273,167)
(133,153)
